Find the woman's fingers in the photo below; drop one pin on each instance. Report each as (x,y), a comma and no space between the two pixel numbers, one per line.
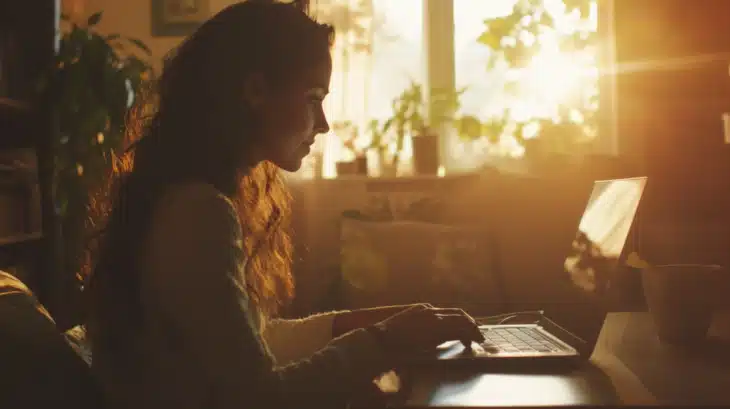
(457,311)
(422,326)
(458,327)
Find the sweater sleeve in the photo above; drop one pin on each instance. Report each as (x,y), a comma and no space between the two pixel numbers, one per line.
(195,270)
(311,333)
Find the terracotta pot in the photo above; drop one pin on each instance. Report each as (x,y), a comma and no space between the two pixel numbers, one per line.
(361,165)
(358,166)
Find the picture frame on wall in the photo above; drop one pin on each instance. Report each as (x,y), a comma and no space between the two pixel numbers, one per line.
(174,18)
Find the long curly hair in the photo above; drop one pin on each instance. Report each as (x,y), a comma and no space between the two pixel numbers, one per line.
(191,126)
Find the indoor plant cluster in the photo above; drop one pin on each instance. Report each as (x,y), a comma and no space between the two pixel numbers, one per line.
(90,87)
(414,115)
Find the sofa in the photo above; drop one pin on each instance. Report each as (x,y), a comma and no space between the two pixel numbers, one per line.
(41,367)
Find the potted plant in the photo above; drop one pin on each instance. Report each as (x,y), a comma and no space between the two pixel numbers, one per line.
(90,87)
(380,143)
(410,113)
(349,134)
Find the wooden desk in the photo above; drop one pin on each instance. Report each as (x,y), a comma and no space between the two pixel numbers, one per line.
(694,376)
(603,381)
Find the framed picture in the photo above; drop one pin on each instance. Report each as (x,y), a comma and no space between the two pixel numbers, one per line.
(178,17)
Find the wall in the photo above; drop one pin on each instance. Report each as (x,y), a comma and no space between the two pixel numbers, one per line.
(672,88)
(131,18)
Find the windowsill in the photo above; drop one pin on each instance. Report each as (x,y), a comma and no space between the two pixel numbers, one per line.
(385,179)
(611,166)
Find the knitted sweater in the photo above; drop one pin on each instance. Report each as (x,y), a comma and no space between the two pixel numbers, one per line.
(201,344)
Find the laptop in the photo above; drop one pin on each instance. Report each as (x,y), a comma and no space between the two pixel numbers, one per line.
(567,331)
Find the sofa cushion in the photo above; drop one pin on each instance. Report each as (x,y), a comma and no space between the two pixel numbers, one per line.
(38,366)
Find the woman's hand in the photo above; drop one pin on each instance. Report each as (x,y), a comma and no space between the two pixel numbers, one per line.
(423,327)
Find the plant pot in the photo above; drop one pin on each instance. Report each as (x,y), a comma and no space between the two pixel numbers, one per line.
(426,154)
(347,168)
(361,165)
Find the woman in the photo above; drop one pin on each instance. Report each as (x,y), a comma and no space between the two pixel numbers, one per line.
(194,259)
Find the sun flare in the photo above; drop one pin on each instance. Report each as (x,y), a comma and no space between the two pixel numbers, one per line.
(553,78)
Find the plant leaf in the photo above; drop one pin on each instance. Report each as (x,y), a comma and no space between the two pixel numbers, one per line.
(94,19)
(141,45)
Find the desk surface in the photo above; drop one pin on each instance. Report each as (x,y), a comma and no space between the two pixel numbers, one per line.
(629,366)
(698,375)
(605,380)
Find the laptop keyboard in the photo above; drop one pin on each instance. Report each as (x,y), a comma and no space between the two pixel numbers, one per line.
(517,339)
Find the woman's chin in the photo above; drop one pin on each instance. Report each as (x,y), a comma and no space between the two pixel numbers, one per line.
(294,162)
(290,165)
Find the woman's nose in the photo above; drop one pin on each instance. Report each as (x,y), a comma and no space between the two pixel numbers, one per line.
(321,126)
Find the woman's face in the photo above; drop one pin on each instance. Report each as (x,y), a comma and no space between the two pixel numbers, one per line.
(292,116)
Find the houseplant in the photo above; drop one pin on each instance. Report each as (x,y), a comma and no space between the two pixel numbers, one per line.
(349,133)
(90,87)
(379,142)
(414,115)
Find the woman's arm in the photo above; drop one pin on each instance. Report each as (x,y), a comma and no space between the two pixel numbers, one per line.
(347,321)
(311,334)
(195,278)
(316,331)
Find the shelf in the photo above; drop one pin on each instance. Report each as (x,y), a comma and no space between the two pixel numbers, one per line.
(10,104)
(16,124)
(20,238)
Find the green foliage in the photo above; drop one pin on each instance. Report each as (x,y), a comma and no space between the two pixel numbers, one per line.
(91,86)
(413,113)
(511,39)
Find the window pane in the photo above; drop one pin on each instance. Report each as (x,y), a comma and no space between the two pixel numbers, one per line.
(556,85)
(397,46)
(371,66)
(484,88)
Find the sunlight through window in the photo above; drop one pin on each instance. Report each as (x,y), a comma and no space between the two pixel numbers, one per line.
(368,73)
(376,61)
(552,82)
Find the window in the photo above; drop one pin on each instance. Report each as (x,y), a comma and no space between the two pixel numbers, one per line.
(379,50)
(377,53)
(553,85)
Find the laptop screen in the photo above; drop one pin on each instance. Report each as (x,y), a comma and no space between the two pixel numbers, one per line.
(603,232)
(591,264)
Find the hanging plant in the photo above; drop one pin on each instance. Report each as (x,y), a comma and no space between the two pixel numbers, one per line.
(90,87)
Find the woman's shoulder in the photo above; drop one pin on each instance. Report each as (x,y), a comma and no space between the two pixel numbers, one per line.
(196,192)
(196,207)
(192,223)
(195,198)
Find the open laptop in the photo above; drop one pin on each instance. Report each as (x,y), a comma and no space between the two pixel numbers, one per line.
(581,283)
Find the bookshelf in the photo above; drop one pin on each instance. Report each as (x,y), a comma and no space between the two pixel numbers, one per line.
(27,46)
